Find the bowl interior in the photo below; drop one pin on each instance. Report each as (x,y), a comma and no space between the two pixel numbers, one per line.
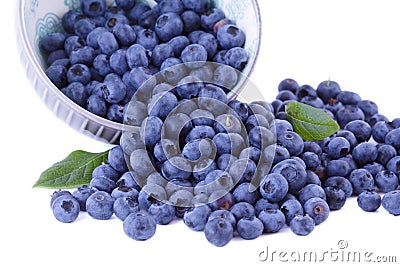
(42,17)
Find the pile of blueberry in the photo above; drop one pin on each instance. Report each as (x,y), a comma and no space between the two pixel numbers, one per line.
(106,53)
(230,168)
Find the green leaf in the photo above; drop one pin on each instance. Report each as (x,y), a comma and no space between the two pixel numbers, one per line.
(310,123)
(74,171)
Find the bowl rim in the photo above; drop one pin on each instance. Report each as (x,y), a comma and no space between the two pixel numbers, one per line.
(40,73)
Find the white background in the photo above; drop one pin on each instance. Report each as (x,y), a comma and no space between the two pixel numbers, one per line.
(355,43)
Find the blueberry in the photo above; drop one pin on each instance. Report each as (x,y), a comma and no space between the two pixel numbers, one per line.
(274,187)
(73,42)
(127,180)
(391,202)
(223,214)
(181,200)
(175,6)
(311,160)
(162,104)
(311,191)
(242,209)
(136,56)
(65,208)
(369,108)
(115,113)
(369,200)
(338,147)
(69,18)
(114,89)
(197,217)
(165,149)
(340,182)
(124,206)
(57,75)
(101,64)
(93,8)
(123,191)
(97,105)
(250,228)
(82,193)
(240,108)
(218,180)
(365,153)
(116,159)
(209,42)
(350,137)
(273,220)
(141,163)
(380,130)
(211,17)
(118,62)
(335,197)
(202,117)
(84,55)
(313,178)
(290,208)
(99,205)
(149,194)
(191,21)
(243,193)
(385,153)
(227,123)
(256,120)
(79,73)
(162,212)
(305,91)
(124,34)
(293,172)
(198,149)
(168,26)
(393,138)
(361,180)
(302,225)
(150,130)
(107,43)
(194,56)
(317,209)
(77,93)
(386,181)
(374,168)
(230,36)
(394,165)
(125,4)
(147,38)
(251,153)
(173,70)
(138,10)
(285,95)
(349,113)
(139,226)
(288,84)
(261,137)
(263,204)
(178,43)
(189,87)
(376,118)
(199,6)
(242,170)
(225,76)
(292,142)
(328,90)
(103,183)
(176,167)
(219,232)
(114,19)
(361,130)
(349,98)
(83,27)
(200,132)
(52,42)
(237,58)
(220,57)
(219,199)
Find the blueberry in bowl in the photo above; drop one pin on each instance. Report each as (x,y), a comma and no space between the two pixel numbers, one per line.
(86,59)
